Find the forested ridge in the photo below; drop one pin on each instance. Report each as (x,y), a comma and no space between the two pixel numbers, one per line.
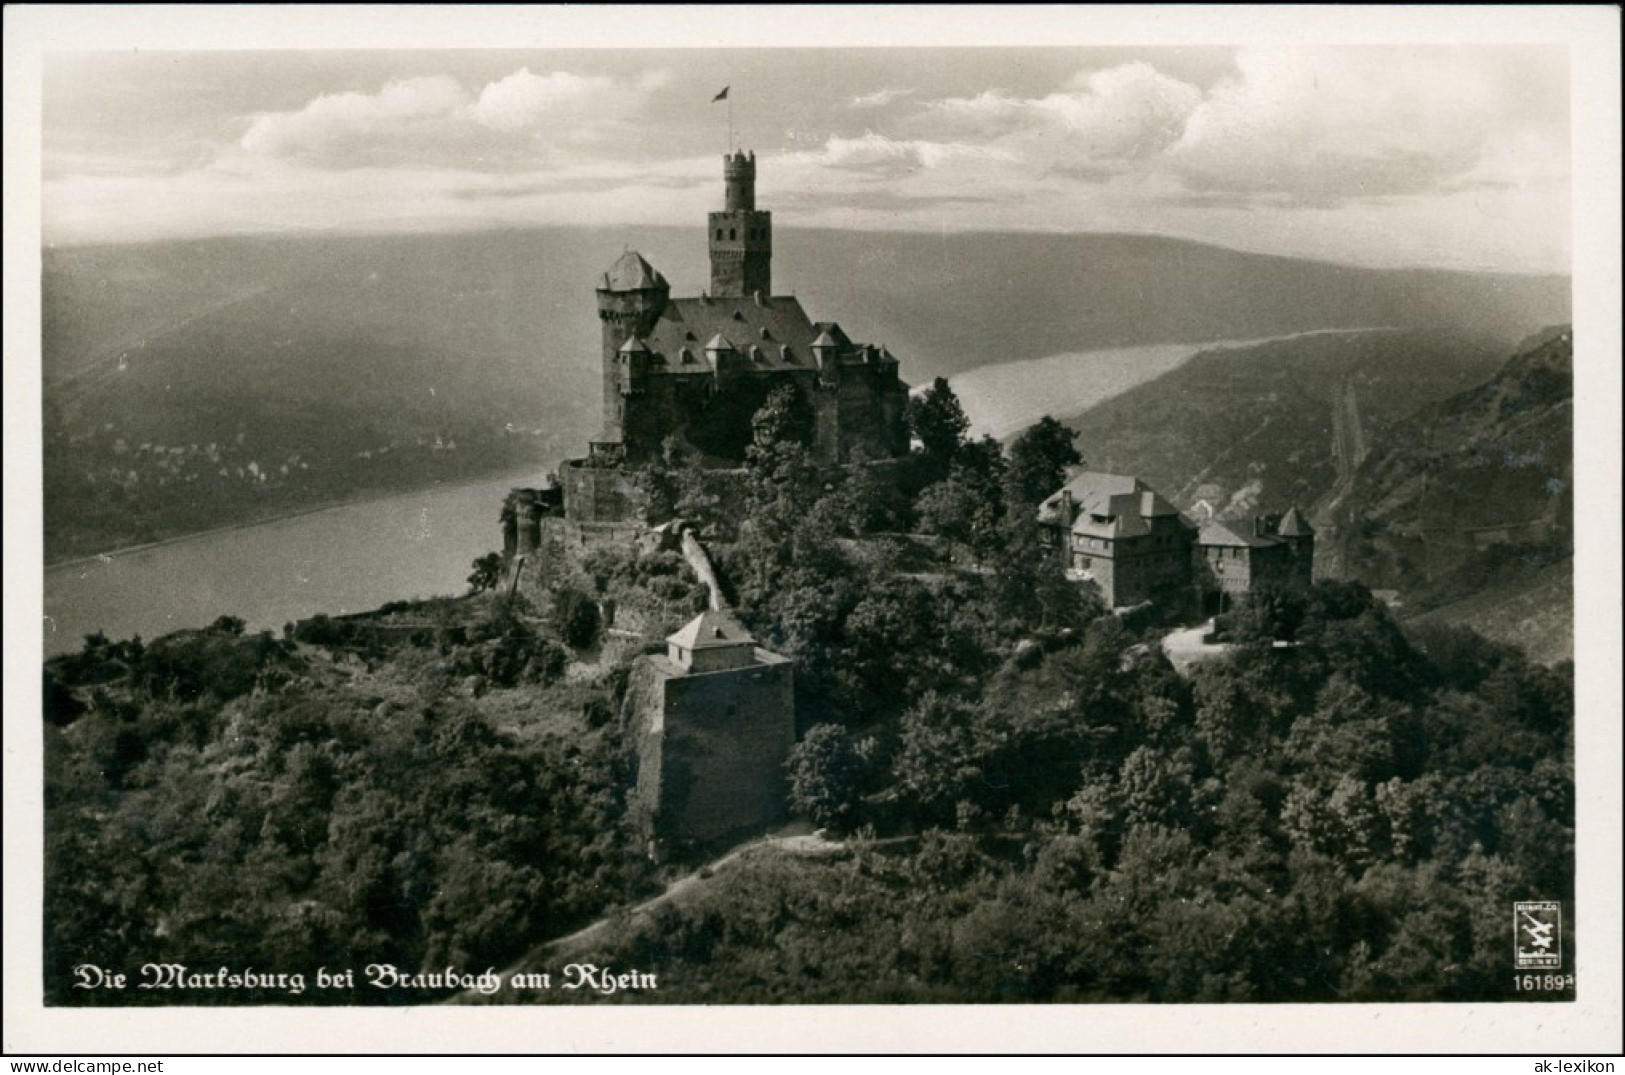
(1035,805)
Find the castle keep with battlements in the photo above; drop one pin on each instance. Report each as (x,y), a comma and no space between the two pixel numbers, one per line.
(698,369)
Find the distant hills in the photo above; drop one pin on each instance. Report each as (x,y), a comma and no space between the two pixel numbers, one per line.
(197,384)
(1473,497)
(949,303)
(1239,430)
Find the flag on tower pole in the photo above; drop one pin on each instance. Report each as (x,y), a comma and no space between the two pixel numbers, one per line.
(723,96)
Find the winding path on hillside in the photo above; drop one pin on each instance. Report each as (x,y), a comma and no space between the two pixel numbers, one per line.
(1188,646)
(545,956)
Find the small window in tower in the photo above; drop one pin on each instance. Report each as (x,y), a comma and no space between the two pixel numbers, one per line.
(719,234)
(730,234)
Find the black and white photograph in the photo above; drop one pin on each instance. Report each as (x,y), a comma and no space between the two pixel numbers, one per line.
(624,509)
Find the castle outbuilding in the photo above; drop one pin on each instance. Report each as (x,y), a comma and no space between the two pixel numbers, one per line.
(714,721)
(1127,539)
(1122,535)
(1231,562)
(699,368)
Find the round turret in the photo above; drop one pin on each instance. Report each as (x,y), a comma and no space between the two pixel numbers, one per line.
(739,176)
(631,297)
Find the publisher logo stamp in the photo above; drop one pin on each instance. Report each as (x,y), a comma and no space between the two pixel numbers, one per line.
(1537,934)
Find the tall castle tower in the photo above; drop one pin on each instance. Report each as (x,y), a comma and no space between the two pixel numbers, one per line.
(741,237)
(631,297)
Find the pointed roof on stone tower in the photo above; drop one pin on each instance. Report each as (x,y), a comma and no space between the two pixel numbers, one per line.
(1293,524)
(712,628)
(631,273)
(719,342)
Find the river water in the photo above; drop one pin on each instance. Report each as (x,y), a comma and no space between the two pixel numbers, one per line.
(1006,397)
(337,560)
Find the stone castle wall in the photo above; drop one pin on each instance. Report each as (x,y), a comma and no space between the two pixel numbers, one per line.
(594,494)
(858,411)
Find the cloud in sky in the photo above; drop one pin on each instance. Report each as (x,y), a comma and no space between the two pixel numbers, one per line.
(1434,155)
(1375,123)
(1291,126)
(879,98)
(435,119)
(1121,113)
(881,157)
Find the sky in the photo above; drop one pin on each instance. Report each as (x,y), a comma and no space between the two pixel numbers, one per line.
(1426,155)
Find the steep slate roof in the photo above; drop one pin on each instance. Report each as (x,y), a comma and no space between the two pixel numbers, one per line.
(1293,524)
(1125,505)
(1089,485)
(1216,533)
(631,273)
(710,630)
(778,323)
(1112,516)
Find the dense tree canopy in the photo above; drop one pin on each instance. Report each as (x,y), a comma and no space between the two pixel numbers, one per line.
(1039,458)
(939,423)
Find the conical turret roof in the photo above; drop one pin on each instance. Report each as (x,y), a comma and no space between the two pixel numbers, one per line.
(631,273)
(719,342)
(1293,524)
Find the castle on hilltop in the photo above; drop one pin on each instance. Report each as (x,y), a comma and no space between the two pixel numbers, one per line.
(698,369)
(712,710)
